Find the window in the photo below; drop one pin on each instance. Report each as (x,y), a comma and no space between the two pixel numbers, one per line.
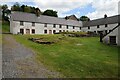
(63,30)
(98,32)
(60,26)
(27,31)
(33,31)
(45,25)
(33,23)
(88,27)
(54,31)
(54,25)
(45,31)
(97,26)
(21,23)
(50,31)
(67,26)
(80,28)
(60,30)
(106,25)
(73,27)
(22,31)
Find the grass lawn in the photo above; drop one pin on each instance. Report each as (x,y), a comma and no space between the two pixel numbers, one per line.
(75,57)
(5,27)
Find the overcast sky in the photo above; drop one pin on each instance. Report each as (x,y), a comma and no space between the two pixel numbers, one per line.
(92,8)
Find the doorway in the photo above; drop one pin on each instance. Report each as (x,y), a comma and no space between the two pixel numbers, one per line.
(50,31)
(21,31)
(27,31)
(113,40)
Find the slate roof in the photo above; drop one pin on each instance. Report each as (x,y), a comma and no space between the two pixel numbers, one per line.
(21,16)
(68,17)
(102,21)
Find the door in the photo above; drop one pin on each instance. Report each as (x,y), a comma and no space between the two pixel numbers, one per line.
(22,31)
(54,31)
(50,31)
(113,40)
(27,31)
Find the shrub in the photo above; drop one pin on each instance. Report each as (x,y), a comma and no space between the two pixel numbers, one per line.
(75,34)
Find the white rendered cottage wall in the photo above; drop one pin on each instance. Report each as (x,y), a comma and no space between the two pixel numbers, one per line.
(39,27)
(15,27)
(26,25)
(62,29)
(101,28)
(11,26)
(57,28)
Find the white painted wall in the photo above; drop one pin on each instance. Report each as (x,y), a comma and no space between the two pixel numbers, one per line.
(11,26)
(39,27)
(15,27)
(101,28)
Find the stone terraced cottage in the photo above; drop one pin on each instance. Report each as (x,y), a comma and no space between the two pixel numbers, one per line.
(28,23)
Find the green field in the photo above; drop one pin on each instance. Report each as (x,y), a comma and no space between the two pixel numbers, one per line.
(75,57)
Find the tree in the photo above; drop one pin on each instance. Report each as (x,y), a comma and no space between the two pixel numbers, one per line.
(16,7)
(0,6)
(5,12)
(27,9)
(84,18)
(37,12)
(50,13)
(0,12)
(4,7)
(32,9)
(22,8)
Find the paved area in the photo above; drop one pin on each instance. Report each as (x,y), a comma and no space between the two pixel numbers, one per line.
(19,61)
(0,50)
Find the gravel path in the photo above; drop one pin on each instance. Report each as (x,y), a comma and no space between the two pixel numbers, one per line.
(19,61)
(0,57)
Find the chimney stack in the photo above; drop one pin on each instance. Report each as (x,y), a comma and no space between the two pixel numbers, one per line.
(105,16)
